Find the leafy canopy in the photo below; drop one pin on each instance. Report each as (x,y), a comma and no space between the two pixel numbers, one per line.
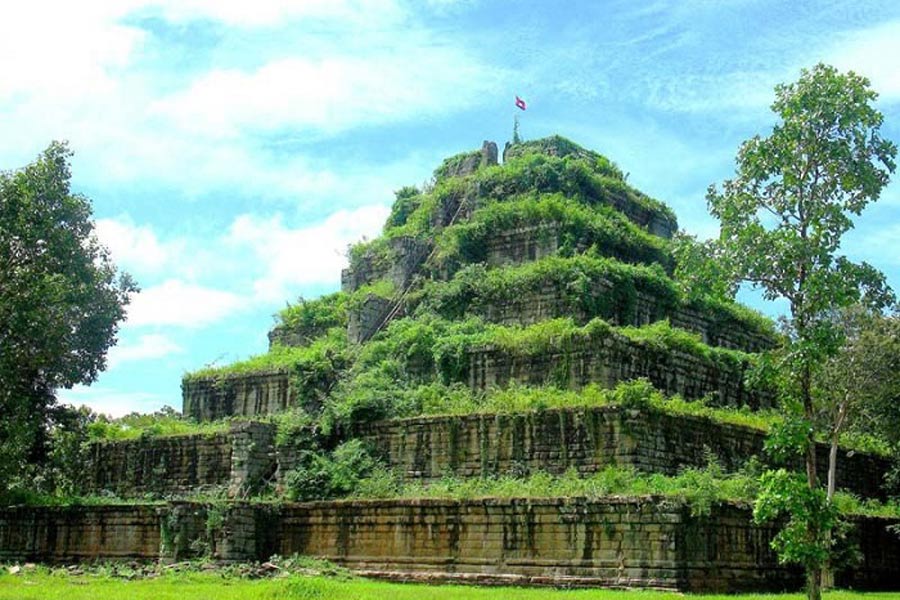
(784,214)
(61,301)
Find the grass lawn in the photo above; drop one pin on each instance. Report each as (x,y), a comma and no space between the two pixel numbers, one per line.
(213,586)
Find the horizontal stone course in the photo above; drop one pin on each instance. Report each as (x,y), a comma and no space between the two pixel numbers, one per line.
(160,465)
(612,359)
(587,440)
(634,542)
(246,459)
(551,301)
(78,533)
(240,461)
(239,395)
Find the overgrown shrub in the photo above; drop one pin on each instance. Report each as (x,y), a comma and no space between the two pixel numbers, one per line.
(322,476)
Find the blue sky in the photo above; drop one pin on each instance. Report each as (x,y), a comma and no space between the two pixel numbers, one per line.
(234,149)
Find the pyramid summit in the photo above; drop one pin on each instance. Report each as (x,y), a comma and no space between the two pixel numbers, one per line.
(552,246)
(511,386)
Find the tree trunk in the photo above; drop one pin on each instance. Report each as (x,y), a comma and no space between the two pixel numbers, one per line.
(814,583)
(813,572)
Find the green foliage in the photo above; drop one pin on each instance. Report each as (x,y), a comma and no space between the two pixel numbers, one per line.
(702,269)
(787,439)
(317,315)
(822,165)
(592,286)
(61,300)
(557,145)
(387,378)
(322,476)
(328,348)
(857,389)
(597,229)
(406,200)
(164,422)
(808,516)
(593,182)
(702,488)
(782,219)
(383,288)
(451,166)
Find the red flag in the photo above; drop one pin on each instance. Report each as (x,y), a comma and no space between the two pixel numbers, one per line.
(520,103)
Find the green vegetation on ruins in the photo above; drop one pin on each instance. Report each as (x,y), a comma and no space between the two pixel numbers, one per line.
(606,262)
(320,314)
(320,354)
(598,230)
(579,278)
(575,173)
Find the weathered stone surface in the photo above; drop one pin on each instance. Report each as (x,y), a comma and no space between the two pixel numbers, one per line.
(244,395)
(522,245)
(241,461)
(645,542)
(426,448)
(252,458)
(405,256)
(635,542)
(283,335)
(365,320)
(78,533)
(160,465)
(552,300)
(588,440)
(614,359)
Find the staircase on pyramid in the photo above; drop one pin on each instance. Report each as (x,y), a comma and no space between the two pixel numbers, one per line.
(512,320)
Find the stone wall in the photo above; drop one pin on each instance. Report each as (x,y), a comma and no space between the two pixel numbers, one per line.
(283,335)
(244,395)
(365,320)
(241,461)
(79,533)
(636,542)
(405,256)
(552,301)
(519,245)
(613,359)
(252,458)
(522,245)
(588,440)
(160,465)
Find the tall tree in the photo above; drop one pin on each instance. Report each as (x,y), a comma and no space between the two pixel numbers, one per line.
(782,220)
(61,301)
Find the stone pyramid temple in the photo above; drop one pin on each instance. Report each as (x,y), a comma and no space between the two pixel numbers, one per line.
(511,320)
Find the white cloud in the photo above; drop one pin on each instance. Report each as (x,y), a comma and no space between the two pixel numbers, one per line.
(68,48)
(135,246)
(331,94)
(91,76)
(110,401)
(308,255)
(153,345)
(872,52)
(271,12)
(175,302)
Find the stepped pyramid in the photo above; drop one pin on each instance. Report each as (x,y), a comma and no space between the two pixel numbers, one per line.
(546,273)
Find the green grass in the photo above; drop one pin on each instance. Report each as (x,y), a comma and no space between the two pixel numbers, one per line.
(700,488)
(136,425)
(200,586)
(279,358)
